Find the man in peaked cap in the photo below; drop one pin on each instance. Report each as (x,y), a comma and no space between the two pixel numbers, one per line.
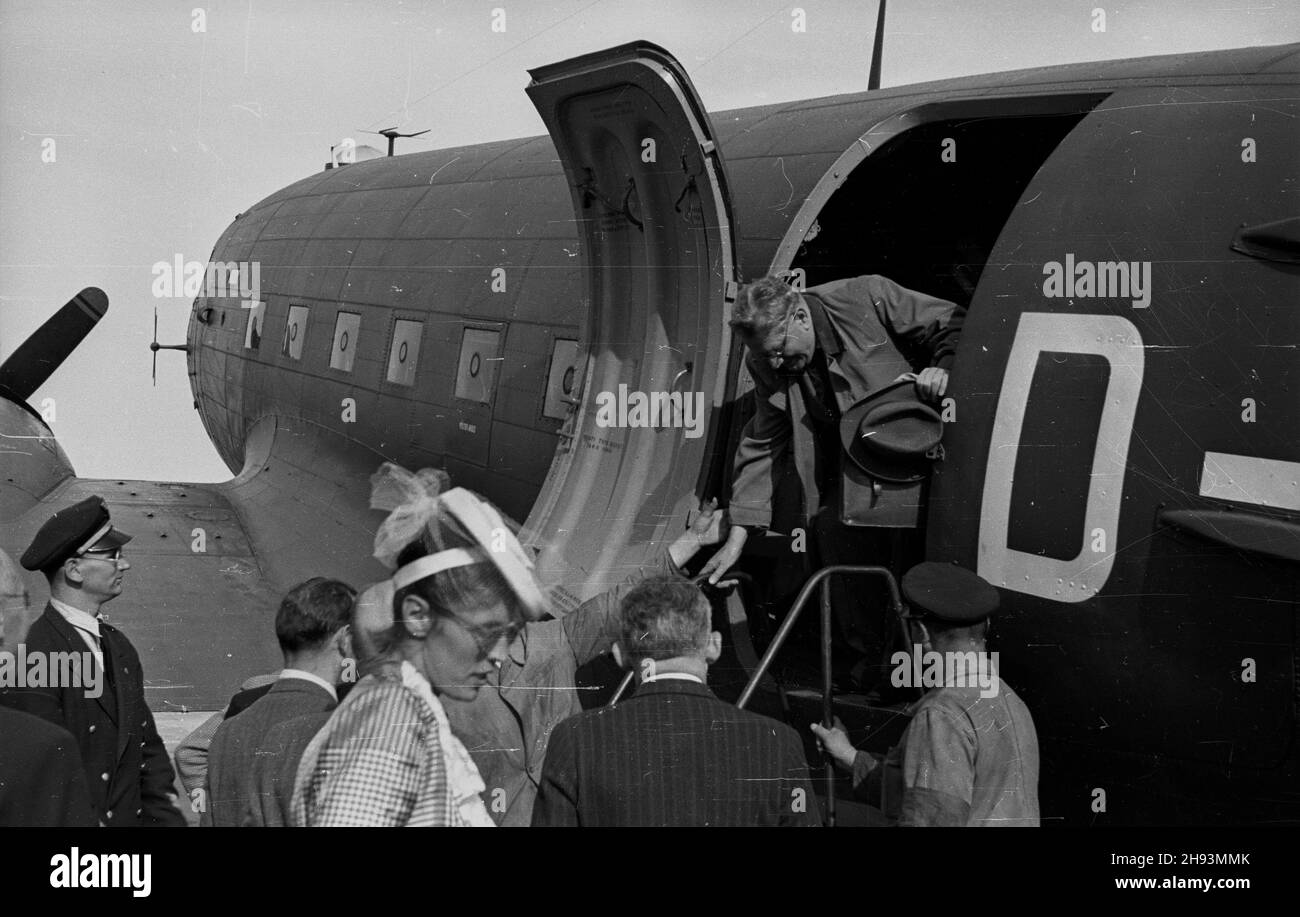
(130,778)
(969,757)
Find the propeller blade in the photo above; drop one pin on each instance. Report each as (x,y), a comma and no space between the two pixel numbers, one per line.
(154,348)
(40,355)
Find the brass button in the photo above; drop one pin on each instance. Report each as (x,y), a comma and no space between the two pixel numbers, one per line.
(92,728)
(109,815)
(104,776)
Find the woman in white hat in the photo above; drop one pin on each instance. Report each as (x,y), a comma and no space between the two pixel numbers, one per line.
(461,590)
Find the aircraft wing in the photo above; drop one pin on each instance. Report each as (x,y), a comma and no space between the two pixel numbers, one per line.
(210,562)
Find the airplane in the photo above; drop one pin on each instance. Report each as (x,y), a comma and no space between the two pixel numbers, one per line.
(1119,456)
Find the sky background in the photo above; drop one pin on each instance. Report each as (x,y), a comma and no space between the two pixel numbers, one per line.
(163,134)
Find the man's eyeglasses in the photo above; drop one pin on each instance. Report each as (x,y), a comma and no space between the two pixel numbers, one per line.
(113,557)
(487,637)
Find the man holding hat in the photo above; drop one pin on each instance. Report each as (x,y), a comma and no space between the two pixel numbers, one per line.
(126,766)
(969,757)
(816,357)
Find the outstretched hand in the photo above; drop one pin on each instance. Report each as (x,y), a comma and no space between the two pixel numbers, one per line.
(709,523)
(725,558)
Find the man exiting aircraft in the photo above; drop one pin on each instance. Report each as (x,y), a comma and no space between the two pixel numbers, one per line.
(970,755)
(812,356)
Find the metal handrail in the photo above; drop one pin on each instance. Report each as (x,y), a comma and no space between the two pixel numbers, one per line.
(821,578)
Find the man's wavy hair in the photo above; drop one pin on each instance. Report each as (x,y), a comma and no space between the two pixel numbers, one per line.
(762,306)
(665,616)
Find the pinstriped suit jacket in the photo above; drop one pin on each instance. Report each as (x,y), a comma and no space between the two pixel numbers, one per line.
(674,755)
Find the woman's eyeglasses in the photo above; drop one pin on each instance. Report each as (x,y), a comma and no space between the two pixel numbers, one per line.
(486,637)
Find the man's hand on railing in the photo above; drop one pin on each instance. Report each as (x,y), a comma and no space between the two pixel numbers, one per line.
(835,742)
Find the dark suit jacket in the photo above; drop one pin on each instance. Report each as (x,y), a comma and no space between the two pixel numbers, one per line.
(42,784)
(126,766)
(670,755)
(255,755)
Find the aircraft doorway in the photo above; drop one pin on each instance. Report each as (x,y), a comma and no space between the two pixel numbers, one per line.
(924,208)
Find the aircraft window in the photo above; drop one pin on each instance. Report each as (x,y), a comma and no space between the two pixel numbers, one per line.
(295,329)
(562,380)
(476,372)
(404,355)
(253,331)
(347,329)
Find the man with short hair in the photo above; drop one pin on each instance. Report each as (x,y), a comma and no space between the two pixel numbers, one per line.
(672,754)
(254,756)
(125,763)
(969,757)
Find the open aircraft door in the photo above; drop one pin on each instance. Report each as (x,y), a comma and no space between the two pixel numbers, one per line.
(654,219)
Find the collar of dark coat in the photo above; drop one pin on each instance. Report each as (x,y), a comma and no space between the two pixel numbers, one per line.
(672,686)
(296,686)
(74,642)
(828,339)
(62,627)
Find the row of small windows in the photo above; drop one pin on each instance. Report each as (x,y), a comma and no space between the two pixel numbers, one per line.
(475,372)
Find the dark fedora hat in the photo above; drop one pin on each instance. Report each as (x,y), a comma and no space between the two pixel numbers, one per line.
(888,433)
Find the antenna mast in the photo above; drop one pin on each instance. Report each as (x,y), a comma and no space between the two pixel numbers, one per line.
(877,48)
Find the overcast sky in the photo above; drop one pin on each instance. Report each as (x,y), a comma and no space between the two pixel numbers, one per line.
(162,134)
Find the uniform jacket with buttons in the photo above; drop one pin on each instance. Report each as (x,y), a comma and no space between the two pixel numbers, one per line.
(872,331)
(130,778)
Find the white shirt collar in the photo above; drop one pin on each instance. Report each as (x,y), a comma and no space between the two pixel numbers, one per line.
(673,676)
(79,619)
(312,677)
